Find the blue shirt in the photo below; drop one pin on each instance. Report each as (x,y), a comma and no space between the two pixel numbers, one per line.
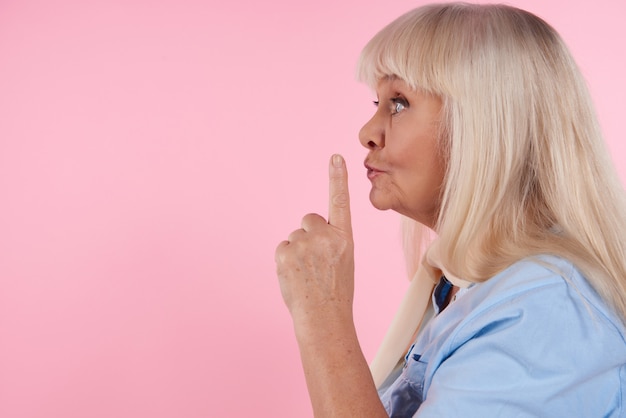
(533,341)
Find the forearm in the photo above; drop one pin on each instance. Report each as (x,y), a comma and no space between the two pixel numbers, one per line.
(337,375)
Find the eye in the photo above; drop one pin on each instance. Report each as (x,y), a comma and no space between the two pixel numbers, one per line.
(398,105)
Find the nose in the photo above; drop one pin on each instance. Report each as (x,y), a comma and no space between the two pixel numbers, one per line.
(372,134)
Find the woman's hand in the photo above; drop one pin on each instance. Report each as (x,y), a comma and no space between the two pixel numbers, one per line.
(315,266)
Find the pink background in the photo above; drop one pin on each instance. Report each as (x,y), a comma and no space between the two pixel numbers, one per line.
(153,154)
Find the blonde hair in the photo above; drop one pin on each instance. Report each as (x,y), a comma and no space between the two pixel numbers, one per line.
(527,170)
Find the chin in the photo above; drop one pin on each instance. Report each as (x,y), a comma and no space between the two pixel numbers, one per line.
(379,202)
(379,207)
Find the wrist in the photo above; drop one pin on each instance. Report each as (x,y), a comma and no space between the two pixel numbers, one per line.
(324,326)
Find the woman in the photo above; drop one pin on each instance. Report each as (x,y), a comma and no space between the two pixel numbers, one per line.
(484,132)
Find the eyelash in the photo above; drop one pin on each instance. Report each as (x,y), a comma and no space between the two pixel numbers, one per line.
(395,102)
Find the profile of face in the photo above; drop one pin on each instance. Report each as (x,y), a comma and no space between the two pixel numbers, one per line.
(405,164)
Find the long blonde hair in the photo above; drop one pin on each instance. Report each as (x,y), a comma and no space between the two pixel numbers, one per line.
(527,169)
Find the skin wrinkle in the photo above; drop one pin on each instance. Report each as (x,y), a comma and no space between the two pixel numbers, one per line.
(405,147)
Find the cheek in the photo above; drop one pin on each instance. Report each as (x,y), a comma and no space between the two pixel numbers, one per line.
(426,166)
(419,157)
(416,157)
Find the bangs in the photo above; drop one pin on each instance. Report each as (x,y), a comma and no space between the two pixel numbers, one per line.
(423,47)
(402,49)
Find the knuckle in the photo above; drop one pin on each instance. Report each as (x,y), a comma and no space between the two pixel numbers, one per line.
(341,200)
(311,220)
(279,253)
(294,236)
(312,217)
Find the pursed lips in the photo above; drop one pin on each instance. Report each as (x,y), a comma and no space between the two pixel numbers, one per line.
(372,171)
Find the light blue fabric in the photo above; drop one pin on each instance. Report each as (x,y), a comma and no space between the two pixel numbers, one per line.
(533,341)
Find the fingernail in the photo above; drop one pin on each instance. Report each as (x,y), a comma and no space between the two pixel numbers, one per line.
(337,160)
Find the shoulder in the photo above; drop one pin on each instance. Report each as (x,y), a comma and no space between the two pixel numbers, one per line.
(545,288)
(543,296)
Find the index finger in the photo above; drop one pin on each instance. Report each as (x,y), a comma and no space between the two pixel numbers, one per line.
(339,199)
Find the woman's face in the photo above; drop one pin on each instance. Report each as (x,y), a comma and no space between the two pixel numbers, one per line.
(404,162)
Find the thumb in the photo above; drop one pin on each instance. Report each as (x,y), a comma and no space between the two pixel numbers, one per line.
(339,199)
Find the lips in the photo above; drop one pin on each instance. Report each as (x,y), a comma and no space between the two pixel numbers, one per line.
(372,171)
